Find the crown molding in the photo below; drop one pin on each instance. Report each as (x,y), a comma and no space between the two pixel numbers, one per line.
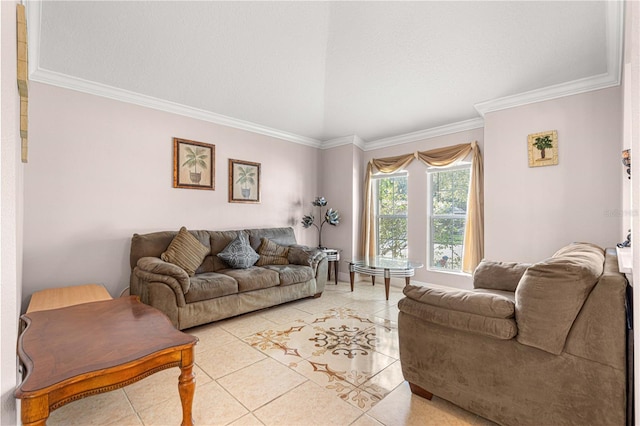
(345,140)
(103,90)
(460,126)
(615,37)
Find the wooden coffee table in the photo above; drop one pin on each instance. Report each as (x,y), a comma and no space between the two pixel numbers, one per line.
(77,351)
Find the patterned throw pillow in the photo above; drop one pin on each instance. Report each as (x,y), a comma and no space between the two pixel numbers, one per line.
(238,253)
(272,253)
(185,251)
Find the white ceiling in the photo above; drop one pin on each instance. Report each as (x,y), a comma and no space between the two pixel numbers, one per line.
(317,71)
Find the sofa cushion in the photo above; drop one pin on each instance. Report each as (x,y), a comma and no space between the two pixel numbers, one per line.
(551,294)
(185,251)
(272,253)
(209,286)
(282,236)
(498,275)
(292,274)
(253,278)
(239,254)
(219,240)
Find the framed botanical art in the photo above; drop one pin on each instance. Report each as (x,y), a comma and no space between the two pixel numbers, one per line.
(193,164)
(543,148)
(244,181)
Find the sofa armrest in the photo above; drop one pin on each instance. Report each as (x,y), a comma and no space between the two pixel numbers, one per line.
(474,312)
(313,257)
(303,255)
(154,269)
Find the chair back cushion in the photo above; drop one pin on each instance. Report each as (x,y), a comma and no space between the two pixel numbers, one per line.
(498,275)
(551,293)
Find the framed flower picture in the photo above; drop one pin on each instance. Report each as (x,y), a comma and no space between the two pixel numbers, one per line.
(193,164)
(244,181)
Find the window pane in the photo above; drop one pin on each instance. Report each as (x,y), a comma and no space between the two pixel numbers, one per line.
(450,191)
(392,237)
(391,216)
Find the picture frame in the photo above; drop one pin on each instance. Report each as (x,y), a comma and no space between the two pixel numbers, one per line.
(543,148)
(244,181)
(193,164)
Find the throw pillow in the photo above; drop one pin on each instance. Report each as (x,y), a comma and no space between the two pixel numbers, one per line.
(238,253)
(185,251)
(272,253)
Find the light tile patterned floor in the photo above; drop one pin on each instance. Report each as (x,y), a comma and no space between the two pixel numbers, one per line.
(327,361)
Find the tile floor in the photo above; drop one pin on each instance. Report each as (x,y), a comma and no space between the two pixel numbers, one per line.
(326,361)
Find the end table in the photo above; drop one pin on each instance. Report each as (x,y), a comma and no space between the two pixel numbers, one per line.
(333,257)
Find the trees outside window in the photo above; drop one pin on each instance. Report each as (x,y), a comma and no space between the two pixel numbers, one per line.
(391,215)
(447,215)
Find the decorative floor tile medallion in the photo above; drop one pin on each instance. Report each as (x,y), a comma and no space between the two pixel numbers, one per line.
(336,349)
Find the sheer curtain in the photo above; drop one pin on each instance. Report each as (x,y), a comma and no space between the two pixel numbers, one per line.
(439,157)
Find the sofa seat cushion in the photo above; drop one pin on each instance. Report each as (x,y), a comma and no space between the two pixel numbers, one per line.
(210,285)
(292,274)
(253,278)
(551,294)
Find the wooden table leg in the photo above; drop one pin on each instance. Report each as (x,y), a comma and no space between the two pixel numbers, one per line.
(336,266)
(387,282)
(35,411)
(187,386)
(373,280)
(407,280)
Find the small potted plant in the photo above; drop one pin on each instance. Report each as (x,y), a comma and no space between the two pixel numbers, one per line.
(245,178)
(195,158)
(331,216)
(543,143)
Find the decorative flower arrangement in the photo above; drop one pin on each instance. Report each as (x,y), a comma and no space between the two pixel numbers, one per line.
(331,216)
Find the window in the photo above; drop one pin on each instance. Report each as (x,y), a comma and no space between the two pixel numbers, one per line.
(390,194)
(447,215)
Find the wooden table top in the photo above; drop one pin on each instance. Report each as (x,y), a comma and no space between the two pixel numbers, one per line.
(61,344)
(53,298)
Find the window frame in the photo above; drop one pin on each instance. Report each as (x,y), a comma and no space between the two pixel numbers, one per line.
(464,165)
(376,213)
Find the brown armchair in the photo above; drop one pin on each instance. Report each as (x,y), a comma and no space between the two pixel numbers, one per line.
(530,344)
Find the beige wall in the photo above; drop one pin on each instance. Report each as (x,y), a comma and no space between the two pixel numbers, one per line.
(340,173)
(101,170)
(531,212)
(11,170)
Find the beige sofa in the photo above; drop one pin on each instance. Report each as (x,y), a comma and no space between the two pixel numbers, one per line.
(540,344)
(215,290)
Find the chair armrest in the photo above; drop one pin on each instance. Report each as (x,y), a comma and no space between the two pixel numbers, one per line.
(156,269)
(479,313)
(485,304)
